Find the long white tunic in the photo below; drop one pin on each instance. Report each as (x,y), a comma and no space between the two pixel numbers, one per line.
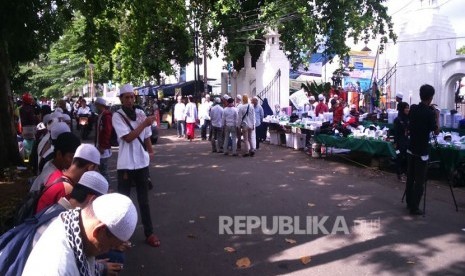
(52,254)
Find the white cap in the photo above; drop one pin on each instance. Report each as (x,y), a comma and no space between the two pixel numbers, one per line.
(321,97)
(239,97)
(66,117)
(57,129)
(353,106)
(226,96)
(47,118)
(312,98)
(217,100)
(101,101)
(58,109)
(89,153)
(127,88)
(118,213)
(94,181)
(65,98)
(399,95)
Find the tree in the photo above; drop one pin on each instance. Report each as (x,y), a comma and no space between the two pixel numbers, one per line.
(461,51)
(305,26)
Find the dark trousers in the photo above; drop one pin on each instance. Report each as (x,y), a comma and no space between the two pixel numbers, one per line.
(217,138)
(203,130)
(401,162)
(141,179)
(416,178)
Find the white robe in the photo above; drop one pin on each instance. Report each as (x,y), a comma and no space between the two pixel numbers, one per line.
(52,254)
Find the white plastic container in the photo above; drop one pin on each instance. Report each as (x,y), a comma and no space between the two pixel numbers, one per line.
(448,120)
(456,120)
(391,116)
(316,150)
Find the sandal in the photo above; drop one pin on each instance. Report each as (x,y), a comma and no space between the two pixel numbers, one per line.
(153,240)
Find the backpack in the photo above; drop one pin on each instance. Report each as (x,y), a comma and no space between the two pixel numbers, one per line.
(28,206)
(16,244)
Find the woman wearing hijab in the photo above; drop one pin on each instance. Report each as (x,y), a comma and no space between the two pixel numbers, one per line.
(401,139)
(267,111)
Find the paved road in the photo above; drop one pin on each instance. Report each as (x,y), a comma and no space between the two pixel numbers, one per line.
(194,187)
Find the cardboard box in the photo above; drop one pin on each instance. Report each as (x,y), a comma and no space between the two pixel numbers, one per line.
(299,141)
(290,140)
(274,138)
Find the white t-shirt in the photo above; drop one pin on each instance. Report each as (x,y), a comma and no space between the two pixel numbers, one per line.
(216,114)
(131,156)
(83,110)
(52,254)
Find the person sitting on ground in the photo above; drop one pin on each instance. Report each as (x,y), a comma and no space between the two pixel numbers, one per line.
(71,242)
(60,184)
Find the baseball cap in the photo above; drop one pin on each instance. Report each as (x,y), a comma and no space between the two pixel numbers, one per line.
(89,153)
(94,181)
(118,213)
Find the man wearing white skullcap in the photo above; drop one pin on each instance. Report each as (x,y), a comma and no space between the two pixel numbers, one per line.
(132,128)
(61,183)
(72,240)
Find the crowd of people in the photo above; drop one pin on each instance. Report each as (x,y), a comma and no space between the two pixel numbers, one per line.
(88,226)
(224,121)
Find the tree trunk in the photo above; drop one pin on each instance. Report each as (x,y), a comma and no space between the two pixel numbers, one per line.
(9,153)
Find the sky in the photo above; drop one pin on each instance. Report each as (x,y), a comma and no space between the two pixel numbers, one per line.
(453,9)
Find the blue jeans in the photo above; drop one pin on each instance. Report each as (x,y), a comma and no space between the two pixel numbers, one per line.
(181,128)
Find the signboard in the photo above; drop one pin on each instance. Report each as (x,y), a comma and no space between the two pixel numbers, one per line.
(299,99)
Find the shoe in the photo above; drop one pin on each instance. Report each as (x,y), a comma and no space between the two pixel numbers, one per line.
(225,153)
(153,240)
(252,153)
(234,154)
(214,151)
(245,155)
(416,212)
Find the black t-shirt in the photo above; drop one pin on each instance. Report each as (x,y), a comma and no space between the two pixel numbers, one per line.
(422,121)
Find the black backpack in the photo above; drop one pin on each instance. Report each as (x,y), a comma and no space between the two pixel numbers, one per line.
(28,206)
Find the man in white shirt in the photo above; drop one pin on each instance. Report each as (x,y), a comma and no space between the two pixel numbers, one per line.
(133,130)
(191,118)
(73,239)
(216,115)
(204,116)
(179,117)
(246,121)
(230,127)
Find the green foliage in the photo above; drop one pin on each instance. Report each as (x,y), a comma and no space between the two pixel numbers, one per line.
(314,88)
(461,51)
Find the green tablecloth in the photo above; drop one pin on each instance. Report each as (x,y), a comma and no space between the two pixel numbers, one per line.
(449,158)
(373,147)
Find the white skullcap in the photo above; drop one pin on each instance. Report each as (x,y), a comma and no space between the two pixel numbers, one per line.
(66,117)
(321,97)
(207,96)
(399,95)
(226,96)
(217,100)
(312,98)
(47,118)
(58,109)
(65,98)
(101,101)
(239,97)
(57,129)
(56,115)
(353,106)
(118,213)
(89,153)
(94,181)
(127,88)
